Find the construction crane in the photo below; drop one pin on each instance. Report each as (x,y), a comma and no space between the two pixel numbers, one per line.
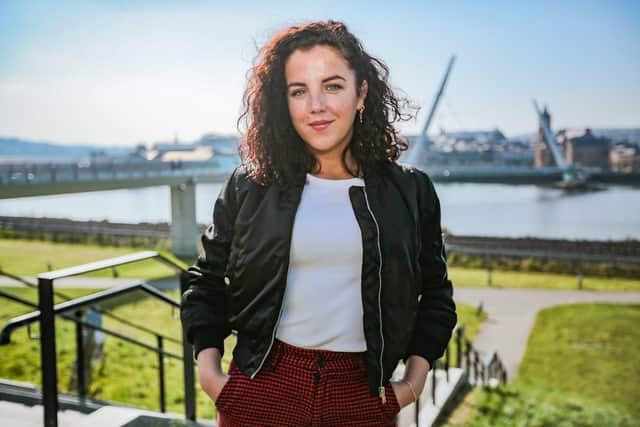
(421,143)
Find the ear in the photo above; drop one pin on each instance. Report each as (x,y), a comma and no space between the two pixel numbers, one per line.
(364,88)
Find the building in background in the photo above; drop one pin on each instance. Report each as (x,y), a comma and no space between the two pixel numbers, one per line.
(479,148)
(625,158)
(579,147)
(226,145)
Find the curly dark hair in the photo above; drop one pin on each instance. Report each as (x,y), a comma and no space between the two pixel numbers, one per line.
(271,149)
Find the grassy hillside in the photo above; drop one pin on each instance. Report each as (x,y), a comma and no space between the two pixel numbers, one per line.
(30,257)
(580,369)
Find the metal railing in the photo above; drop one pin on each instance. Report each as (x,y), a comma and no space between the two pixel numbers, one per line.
(477,369)
(74,306)
(65,297)
(31,173)
(47,312)
(112,169)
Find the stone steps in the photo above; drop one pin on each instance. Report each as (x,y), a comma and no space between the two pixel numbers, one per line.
(19,415)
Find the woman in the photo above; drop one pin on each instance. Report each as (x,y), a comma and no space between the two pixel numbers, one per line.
(324,254)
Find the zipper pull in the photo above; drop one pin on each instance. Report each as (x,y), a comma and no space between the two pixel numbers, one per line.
(382,395)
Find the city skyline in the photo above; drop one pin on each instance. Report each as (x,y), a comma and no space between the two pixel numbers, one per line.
(120,73)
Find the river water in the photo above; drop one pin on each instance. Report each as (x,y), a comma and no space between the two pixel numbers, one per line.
(467,209)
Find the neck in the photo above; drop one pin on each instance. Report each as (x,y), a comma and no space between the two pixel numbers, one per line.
(334,168)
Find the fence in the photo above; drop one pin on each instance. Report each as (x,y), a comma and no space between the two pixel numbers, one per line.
(47,312)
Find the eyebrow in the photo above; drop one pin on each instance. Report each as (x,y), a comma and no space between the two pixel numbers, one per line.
(323,81)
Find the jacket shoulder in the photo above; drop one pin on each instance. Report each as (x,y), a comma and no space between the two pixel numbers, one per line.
(240,175)
(407,173)
(240,187)
(240,180)
(416,183)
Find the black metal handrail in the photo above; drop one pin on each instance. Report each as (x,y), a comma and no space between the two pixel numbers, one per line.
(481,370)
(468,359)
(66,297)
(76,304)
(60,309)
(47,313)
(26,320)
(29,318)
(108,263)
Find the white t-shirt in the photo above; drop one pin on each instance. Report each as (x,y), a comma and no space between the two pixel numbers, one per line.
(322,306)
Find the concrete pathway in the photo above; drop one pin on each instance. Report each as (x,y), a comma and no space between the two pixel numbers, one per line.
(512,313)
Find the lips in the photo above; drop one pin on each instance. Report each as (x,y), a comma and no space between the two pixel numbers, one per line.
(320,124)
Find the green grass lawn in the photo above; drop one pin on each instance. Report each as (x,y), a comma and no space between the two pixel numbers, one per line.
(31,257)
(580,369)
(470,277)
(21,359)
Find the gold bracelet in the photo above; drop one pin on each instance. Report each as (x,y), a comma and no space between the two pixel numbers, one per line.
(415,396)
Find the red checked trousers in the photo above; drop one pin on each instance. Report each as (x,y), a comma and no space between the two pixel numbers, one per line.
(304,387)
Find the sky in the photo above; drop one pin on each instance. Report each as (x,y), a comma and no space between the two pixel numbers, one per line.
(116,72)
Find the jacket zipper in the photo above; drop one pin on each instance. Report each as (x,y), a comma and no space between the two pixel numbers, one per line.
(273,334)
(381,390)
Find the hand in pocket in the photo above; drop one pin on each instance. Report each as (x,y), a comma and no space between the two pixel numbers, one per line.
(219,385)
(212,383)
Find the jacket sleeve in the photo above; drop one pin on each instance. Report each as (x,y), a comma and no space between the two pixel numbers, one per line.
(436,316)
(203,309)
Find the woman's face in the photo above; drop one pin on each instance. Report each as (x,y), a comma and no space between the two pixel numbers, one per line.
(323,99)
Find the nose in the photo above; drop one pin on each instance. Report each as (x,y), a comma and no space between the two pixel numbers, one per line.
(317,101)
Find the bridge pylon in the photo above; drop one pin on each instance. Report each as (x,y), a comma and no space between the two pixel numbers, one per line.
(184,228)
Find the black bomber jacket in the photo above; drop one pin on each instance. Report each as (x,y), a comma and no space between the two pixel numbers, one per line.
(238,283)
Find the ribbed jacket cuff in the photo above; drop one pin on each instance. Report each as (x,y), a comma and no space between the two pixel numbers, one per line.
(422,349)
(204,337)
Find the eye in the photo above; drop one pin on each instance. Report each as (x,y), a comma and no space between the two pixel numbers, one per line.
(297,92)
(334,87)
